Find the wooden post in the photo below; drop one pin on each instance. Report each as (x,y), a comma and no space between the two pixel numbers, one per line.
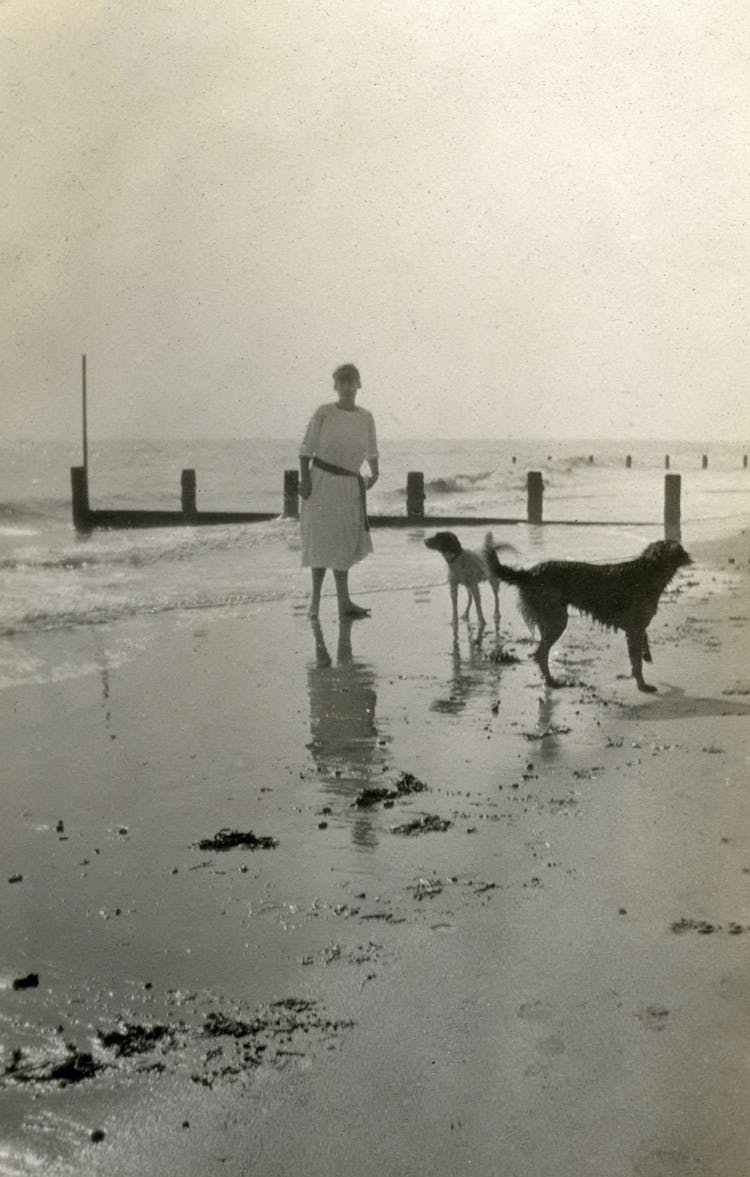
(415,494)
(79,485)
(513,459)
(704,462)
(666,461)
(744,461)
(672,527)
(291,494)
(591,459)
(84,416)
(188,494)
(534,496)
(628,462)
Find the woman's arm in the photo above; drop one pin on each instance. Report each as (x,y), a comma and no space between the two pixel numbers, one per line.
(305,483)
(309,447)
(372,453)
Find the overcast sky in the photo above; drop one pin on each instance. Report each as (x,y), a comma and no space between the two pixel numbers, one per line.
(519,217)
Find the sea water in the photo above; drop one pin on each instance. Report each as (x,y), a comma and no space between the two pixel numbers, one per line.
(51,577)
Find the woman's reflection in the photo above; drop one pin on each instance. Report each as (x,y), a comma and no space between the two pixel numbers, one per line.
(344,742)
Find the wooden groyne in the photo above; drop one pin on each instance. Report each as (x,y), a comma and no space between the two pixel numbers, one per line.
(86,518)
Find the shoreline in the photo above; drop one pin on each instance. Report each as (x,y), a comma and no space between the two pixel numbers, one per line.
(520,1001)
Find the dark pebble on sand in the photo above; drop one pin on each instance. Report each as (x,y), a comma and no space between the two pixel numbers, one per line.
(322,825)
(123,830)
(15,879)
(98,1135)
(622,911)
(186,1123)
(30,981)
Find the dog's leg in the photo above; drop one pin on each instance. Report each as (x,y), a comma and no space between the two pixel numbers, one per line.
(467,610)
(475,596)
(551,626)
(454,601)
(495,586)
(635,640)
(646,649)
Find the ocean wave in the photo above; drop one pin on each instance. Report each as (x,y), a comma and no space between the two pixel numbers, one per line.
(110,611)
(135,549)
(454,483)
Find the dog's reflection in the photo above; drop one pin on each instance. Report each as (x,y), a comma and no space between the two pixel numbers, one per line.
(344,743)
(468,672)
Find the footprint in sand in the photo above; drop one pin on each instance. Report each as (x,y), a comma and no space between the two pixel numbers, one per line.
(668,1162)
(536,1011)
(654,1017)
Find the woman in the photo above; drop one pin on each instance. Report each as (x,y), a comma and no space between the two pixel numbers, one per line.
(335,534)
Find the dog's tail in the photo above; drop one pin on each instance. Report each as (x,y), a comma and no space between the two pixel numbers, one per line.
(506,572)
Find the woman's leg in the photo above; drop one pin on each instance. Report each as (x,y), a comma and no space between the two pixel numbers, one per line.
(318,575)
(347,608)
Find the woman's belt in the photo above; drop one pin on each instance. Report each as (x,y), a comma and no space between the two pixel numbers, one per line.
(329,466)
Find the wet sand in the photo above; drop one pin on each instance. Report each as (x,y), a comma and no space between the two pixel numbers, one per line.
(545,975)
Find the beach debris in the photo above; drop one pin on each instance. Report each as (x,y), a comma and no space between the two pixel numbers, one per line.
(74,1067)
(322,825)
(548,732)
(712,749)
(15,879)
(426,889)
(220,1041)
(705,928)
(30,981)
(405,784)
(701,926)
(502,657)
(430,823)
(60,827)
(134,1039)
(97,1136)
(232,839)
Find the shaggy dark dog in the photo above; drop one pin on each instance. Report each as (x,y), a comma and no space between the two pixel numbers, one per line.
(621,596)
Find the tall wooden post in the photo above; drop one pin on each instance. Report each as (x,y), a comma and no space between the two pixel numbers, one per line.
(744,461)
(666,461)
(291,493)
(628,462)
(188,491)
(415,494)
(704,462)
(79,485)
(534,496)
(84,416)
(672,522)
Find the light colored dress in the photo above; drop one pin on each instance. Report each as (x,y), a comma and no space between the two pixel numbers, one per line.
(333,524)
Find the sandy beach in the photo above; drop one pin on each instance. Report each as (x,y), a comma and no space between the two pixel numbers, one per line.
(480,927)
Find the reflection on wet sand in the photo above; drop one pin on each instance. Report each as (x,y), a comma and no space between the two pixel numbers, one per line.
(469,672)
(345,744)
